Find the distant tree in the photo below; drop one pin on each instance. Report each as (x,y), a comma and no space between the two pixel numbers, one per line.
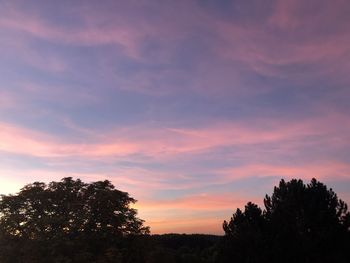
(300,223)
(68,218)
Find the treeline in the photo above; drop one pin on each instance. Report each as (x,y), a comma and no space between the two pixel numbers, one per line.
(183,248)
(73,222)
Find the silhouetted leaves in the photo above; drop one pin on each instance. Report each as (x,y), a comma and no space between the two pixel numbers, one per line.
(67,221)
(300,223)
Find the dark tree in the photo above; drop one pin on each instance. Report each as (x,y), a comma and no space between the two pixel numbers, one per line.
(300,223)
(242,223)
(243,235)
(67,219)
(307,223)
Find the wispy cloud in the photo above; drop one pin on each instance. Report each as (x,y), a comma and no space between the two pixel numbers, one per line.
(153,141)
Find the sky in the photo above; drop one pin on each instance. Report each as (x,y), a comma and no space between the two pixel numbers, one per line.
(192,107)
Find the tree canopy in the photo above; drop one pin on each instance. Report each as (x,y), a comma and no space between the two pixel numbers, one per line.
(69,212)
(300,223)
(69,207)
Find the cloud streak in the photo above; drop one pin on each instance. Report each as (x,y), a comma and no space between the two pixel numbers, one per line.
(155,141)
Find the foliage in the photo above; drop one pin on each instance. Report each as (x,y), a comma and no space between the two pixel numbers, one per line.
(67,218)
(300,223)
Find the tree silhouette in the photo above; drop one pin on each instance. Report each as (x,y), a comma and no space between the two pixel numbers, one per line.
(68,218)
(300,223)
(243,235)
(307,222)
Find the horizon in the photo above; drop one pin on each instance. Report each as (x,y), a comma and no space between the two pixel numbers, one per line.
(192,107)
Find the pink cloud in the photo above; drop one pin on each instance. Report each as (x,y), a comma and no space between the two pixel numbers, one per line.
(13,178)
(284,15)
(329,170)
(170,142)
(292,35)
(288,36)
(264,52)
(296,15)
(23,141)
(100,25)
(90,35)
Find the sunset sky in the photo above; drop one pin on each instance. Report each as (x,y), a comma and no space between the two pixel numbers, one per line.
(193,107)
